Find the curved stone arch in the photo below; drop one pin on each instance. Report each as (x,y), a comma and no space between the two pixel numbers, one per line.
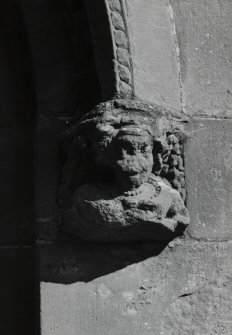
(108,22)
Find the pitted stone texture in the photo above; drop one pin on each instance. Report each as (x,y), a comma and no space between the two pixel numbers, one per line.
(204,37)
(206,311)
(124,175)
(154,212)
(208,164)
(154,58)
(136,291)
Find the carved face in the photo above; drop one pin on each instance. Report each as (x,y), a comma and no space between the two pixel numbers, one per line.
(127,152)
(132,159)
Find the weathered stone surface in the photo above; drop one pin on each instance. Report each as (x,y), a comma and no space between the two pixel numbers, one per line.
(125,89)
(205,311)
(140,298)
(117,21)
(203,32)
(208,163)
(123,57)
(121,39)
(115,5)
(121,47)
(120,159)
(125,74)
(154,56)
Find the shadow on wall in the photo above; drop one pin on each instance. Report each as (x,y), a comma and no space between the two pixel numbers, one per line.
(80,261)
(17,114)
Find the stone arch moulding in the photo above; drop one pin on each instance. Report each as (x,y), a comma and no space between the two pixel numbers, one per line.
(108,22)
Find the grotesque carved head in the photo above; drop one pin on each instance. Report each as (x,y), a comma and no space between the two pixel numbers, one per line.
(127,138)
(123,153)
(123,142)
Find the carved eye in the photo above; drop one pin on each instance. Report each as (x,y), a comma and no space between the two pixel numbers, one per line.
(129,147)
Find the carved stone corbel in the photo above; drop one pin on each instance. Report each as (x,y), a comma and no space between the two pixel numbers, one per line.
(124,175)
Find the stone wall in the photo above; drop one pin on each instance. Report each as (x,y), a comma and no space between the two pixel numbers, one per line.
(60,59)
(179,58)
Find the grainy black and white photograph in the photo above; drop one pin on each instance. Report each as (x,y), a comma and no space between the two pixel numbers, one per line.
(116,167)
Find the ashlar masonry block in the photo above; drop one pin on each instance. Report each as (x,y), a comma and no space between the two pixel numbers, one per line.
(208,162)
